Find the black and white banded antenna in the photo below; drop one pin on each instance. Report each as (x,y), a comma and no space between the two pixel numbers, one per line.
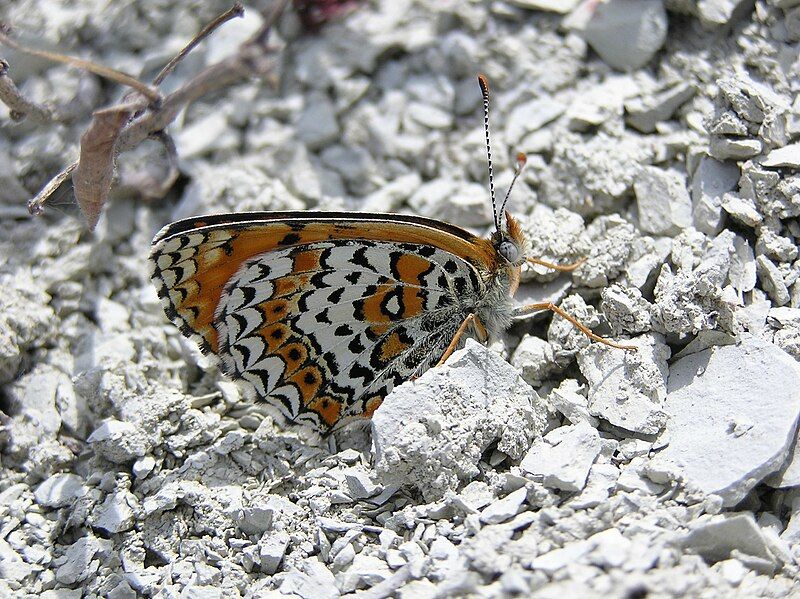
(521,158)
(485,93)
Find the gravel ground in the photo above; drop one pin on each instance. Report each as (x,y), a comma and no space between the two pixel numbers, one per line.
(661,146)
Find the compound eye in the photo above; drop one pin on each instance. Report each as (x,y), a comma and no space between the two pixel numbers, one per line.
(509,251)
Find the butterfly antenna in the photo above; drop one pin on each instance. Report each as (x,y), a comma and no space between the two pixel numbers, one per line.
(485,93)
(521,160)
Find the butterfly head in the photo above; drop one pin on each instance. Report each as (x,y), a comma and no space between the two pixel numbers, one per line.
(509,241)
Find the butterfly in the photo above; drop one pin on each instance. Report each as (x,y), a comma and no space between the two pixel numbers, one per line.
(322,314)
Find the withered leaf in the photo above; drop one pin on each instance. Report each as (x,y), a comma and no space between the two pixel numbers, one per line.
(92,178)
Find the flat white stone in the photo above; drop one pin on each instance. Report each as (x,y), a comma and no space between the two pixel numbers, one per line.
(787,156)
(645,113)
(430,433)
(733,415)
(118,441)
(59,490)
(627,33)
(272,548)
(365,571)
(359,483)
(664,204)
(116,514)
(564,456)
(317,125)
(711,181)
(628,389)
(554,560)
(742,209)
(559,6)
(531,116)
(715,537)
(504,509)
(733,148)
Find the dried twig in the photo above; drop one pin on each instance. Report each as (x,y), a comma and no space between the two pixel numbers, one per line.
(36,205)
(237,10)
(150,93)
(123,127)
(19,106)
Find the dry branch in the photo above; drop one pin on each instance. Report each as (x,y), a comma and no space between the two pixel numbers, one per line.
(124,126)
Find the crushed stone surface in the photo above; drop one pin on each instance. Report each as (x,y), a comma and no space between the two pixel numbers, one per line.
(541,465)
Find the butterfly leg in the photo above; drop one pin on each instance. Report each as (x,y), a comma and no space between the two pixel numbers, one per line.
(471,319)
(575,322)
(559,267)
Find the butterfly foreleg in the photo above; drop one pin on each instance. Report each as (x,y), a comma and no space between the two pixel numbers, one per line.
(559,267)
(479,327)
(574,321)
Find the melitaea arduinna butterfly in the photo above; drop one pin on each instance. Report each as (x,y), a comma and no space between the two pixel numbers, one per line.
(321,314)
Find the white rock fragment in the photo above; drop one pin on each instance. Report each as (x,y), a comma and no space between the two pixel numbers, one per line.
(365,571)
(553,561)
(727,148)
(564,456)
(627,33)
(210,133)
(118,441)
(742,209)
(531,116)
(718,537)
(609,549)
(645,113)
(452,201)
(663,201)
(504,509)
(717,12)
(311,581)
(317,125)
(116,514)
(558,6)
(271,549)
(733,414)
(787,156)
(570,400)
(59,490)
(430,117)
(711,181)
(143,466)
(602,480)
(742,274)
(625,309)
(359,483)
(772,280)
(430,433)
(634,477)
(79,563)
(628,389)
(34,395)
(534,358)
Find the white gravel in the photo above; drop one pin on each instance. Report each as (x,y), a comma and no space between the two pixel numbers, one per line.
(541,466)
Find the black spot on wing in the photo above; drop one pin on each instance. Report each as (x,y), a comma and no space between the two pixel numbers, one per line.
(343,330)
(289,239)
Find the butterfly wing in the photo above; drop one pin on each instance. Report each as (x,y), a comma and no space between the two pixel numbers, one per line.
(321,314)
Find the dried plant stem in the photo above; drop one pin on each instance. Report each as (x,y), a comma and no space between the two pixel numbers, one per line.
(20,106)
(124,126)
(237,10)
(36,205)
(150,93)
